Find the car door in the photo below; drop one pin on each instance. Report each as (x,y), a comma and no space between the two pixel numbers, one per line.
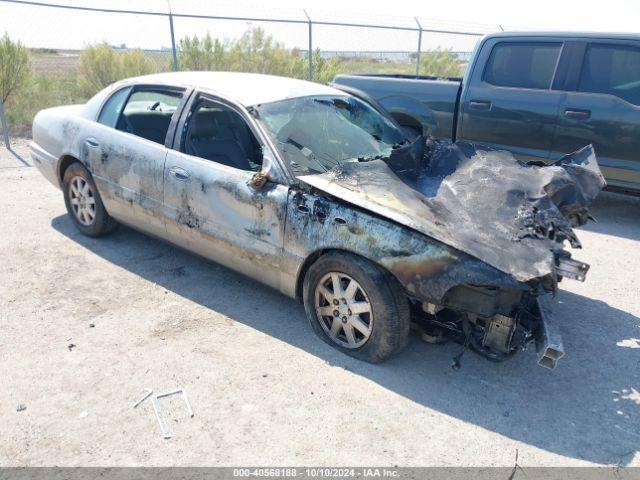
(510,103)
(125,152)
(213,205)
(602,108)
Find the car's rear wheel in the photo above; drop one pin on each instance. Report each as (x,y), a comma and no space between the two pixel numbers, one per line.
(83,202)
(356,306)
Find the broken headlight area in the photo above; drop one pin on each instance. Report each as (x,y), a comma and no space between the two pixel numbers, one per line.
(493,322)
(504,223)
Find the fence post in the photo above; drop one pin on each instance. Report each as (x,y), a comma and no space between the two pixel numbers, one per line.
(310,46)
(419,47)
(173,43)
(5,127)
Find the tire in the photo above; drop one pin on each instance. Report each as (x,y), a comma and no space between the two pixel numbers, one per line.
(387,321)
(85,208)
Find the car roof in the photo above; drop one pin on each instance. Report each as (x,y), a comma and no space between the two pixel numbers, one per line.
(245,88)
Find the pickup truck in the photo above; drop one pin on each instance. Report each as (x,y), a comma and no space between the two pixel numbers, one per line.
(538,95)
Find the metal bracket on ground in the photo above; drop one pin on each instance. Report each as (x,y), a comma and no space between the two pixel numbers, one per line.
(164,427)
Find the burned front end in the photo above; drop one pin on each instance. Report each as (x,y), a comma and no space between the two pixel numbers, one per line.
(492,234)
(494,322)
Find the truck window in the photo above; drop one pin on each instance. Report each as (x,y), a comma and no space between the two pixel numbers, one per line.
(612,69)
(522,64)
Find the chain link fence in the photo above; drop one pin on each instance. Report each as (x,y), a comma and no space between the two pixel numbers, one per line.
(76,49)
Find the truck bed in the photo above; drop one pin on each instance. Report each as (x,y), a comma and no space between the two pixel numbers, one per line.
(435,99)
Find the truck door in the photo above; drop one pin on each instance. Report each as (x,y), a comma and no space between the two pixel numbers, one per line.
(510,102)
(602,108)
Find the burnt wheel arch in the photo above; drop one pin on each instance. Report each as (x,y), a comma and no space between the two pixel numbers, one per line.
(313,257)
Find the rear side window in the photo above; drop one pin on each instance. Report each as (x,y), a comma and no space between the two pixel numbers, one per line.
(148,113)
(112,107)
(523,65)
(612,69)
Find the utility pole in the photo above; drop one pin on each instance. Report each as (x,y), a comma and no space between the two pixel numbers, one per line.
(310,46)
(419,47)
(5,127)
(173,39)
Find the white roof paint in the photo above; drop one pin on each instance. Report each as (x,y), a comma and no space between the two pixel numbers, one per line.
(245,88)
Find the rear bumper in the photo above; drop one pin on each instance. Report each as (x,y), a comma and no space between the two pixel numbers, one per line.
(45,163)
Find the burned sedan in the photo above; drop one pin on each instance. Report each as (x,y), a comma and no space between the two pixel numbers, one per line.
(319,194)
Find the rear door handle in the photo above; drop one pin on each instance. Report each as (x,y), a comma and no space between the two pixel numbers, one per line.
(480,105)
(577,114)
(92,142)
(179,173)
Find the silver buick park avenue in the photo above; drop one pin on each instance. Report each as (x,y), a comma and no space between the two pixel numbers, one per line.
(321,194)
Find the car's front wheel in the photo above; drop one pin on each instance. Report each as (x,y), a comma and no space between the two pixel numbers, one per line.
(356,306)
(83,202)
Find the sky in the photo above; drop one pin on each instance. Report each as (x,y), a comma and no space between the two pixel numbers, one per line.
(62,29)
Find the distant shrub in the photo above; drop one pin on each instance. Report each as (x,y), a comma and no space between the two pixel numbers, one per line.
(254,52)
(42,91)
(44,51)
(324,69)
(15,67)
(100,65)
(201,54)
(441,63)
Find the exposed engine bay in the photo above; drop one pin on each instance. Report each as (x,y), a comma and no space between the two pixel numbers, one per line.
(514,217)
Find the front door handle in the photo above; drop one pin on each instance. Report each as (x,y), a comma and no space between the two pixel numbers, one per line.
(577,113)
(179,173)
(92,142)
(480,105)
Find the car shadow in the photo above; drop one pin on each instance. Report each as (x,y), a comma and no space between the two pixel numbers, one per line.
(621,212)
(588,408)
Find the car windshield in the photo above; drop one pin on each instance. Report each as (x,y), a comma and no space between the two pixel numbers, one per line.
(315,134)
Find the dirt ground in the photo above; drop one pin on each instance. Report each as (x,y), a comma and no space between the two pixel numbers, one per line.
(87,324)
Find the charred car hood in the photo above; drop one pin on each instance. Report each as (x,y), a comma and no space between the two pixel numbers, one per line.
(512,216)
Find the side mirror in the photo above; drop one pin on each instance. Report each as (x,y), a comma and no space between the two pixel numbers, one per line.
(268,173)
(259,180)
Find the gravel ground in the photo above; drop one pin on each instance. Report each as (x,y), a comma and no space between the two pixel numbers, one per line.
(86,325)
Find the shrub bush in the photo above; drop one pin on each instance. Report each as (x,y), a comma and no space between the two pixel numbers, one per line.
(42,91)
(100,65)
(15,67)
(254,52)
(441,63)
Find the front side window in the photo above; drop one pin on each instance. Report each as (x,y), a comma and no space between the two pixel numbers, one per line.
(112,108)
(148,113)
(315,134)
(613,70)
(523,65)
(218,133)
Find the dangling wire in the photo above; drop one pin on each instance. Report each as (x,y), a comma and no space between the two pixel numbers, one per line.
(466,328)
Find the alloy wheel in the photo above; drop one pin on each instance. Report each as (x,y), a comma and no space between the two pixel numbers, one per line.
(83,203)
(343,310)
